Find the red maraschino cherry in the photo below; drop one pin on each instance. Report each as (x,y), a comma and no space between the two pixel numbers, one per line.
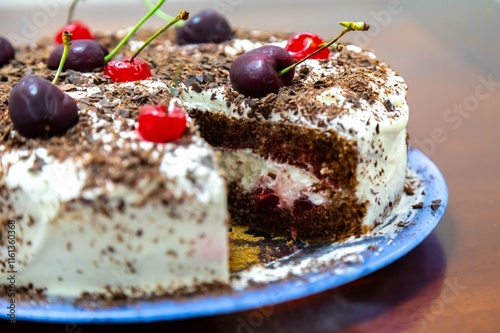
(135,69)
(77,28)
(158,124)
(301,45)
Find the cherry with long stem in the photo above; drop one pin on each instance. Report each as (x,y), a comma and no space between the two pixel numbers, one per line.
(38,108)
(87,55)
(266,69)
(348,26)
(66,38)
(135,69)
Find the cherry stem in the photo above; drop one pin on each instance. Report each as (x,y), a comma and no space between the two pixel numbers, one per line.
(133,31)
(348,26)
(162,14)
(183,15)
(336,46)
(66,37)
(71,11)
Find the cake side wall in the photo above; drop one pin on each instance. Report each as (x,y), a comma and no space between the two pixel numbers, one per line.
(140,242)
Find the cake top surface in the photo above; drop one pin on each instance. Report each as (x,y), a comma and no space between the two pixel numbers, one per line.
(352,83)
(322,91)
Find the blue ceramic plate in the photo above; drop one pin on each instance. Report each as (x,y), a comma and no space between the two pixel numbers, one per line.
(309,270)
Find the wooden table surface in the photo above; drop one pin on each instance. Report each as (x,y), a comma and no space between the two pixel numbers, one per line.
(449,53)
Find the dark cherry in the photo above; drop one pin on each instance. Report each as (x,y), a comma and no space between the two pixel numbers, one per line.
(84,56)
(207,26)
(38,108)
(77,28)
(7,51)
(266,201)
(255,73)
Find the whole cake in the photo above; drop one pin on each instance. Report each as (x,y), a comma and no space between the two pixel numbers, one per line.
(98,210)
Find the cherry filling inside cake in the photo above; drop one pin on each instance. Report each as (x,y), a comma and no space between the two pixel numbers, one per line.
(321,160)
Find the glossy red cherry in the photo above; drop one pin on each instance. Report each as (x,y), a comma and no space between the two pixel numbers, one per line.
(301,45)
(135,69)
(77,28)
(156,124)
(127,71)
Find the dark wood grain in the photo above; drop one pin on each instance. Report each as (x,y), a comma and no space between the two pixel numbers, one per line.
(451,282)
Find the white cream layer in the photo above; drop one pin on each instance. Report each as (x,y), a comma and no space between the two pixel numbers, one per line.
(251,171)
